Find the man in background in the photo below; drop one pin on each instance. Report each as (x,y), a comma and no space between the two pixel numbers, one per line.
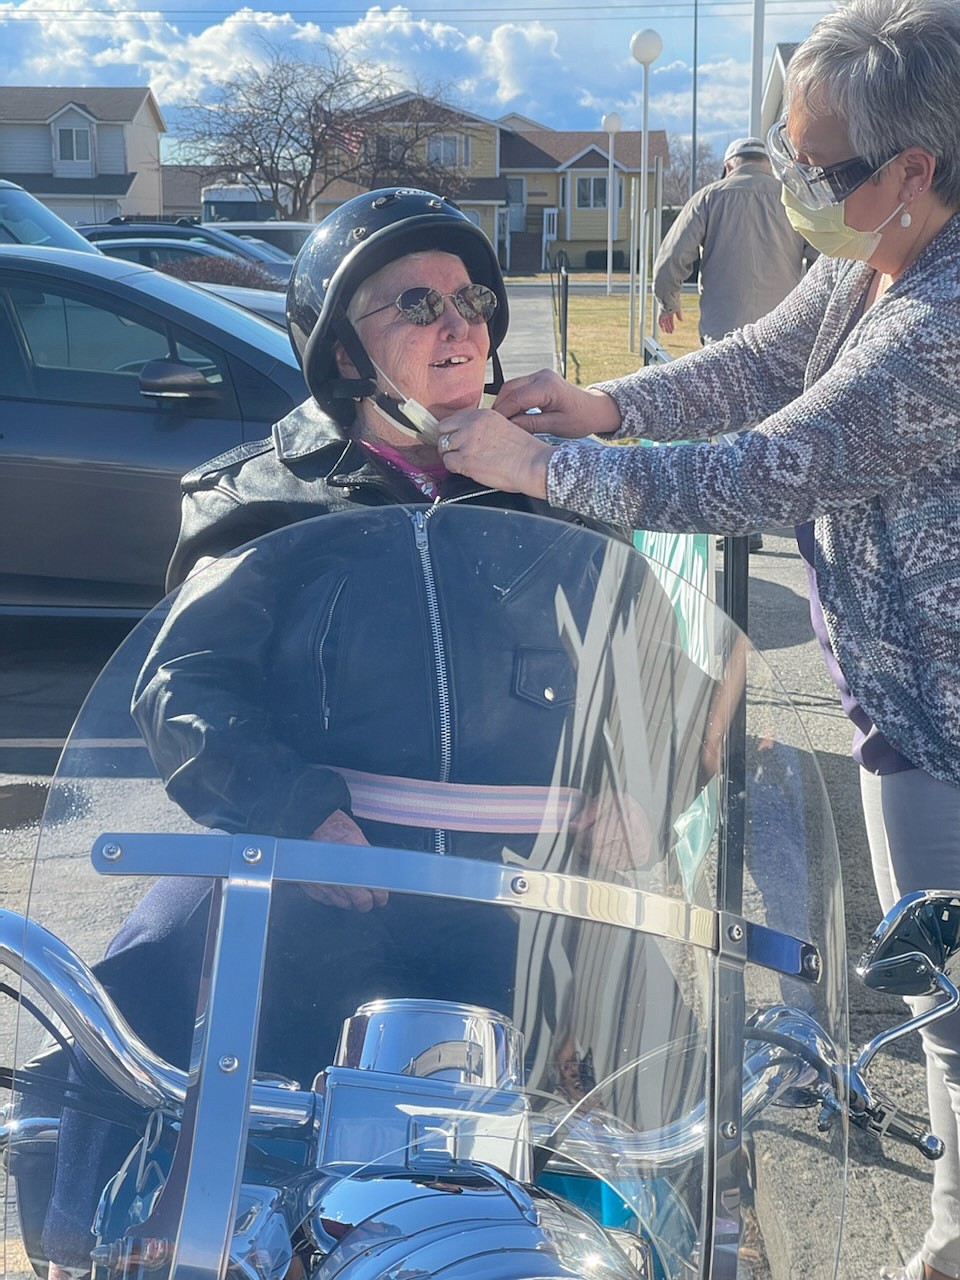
(750,256)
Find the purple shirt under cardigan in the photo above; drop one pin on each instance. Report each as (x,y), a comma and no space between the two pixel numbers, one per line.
(870,748)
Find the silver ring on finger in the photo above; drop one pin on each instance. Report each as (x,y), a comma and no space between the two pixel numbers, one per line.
(444,442)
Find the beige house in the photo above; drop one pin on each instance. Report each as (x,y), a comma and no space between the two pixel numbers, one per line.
(557,190)
(533,190)
(89,153)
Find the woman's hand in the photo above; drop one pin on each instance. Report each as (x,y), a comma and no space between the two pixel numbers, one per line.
(614,835)
(565,410)
(340,828)
(482,444)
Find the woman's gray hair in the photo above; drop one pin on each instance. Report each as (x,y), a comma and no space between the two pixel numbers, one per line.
(890,69)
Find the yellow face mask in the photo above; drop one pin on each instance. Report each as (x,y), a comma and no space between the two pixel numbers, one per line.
(826,230)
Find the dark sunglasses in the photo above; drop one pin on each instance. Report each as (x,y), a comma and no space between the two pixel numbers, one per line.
(814,185)
(420,305)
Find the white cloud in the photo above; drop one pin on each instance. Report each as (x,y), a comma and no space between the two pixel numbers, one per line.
(565,74)
(521,61)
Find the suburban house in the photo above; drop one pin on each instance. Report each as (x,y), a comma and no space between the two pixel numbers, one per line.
(89,153)
(533,190)
(557,189)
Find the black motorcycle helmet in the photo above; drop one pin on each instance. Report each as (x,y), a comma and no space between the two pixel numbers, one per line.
(353,242)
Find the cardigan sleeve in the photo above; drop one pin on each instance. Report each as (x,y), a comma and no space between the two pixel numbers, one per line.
(887,407)
(729,384)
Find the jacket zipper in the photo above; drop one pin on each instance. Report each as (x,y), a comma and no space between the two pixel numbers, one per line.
(439,659)
(324,636)
(464,497)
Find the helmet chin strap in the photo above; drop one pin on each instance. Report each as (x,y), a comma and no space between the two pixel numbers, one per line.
(406,414)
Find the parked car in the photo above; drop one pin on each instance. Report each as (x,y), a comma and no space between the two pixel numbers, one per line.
(155,252)
(270,304)
(289,236)
(192,260)
(115,380)
(273,260)
(24,220)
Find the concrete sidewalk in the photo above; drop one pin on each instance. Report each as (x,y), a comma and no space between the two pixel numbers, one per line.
(530,343)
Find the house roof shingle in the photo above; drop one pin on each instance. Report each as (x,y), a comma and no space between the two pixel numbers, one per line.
(556,149)
(30,104)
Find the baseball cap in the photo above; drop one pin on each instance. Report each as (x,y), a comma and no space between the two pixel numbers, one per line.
(745,147)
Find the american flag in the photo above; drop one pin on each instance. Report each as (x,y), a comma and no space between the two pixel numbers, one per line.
(346,136)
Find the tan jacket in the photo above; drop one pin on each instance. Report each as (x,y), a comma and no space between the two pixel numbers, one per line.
(750,255)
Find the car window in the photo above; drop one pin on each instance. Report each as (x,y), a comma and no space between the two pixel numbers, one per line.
(84,352)
(129,252)
(161,254)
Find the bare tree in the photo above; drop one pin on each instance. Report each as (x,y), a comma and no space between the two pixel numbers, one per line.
(676,179)
(295,127)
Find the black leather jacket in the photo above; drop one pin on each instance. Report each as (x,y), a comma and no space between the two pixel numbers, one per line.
(307,467)
(427,642)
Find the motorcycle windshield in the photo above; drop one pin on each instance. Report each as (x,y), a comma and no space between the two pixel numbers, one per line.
(430,891)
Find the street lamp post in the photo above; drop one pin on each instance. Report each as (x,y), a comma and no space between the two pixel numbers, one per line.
(610,124)
(645,46)
(693,105)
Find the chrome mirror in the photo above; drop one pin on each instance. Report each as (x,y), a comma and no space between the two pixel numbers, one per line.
(915,942)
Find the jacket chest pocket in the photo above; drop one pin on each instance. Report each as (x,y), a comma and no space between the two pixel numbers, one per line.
(544,677)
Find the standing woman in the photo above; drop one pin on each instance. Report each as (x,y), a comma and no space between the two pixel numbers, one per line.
(854,384)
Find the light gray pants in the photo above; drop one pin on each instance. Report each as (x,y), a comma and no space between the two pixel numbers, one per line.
(913,826)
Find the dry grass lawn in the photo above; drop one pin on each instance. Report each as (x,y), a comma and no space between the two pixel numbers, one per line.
(598,336)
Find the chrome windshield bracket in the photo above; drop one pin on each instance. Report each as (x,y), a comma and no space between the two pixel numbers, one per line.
(743,941)
(217,1111)
(412,871)
(793,957)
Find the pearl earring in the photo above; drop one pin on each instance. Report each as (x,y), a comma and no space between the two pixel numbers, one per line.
(905,218)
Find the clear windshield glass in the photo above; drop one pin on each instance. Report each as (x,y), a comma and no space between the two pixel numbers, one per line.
(454,904)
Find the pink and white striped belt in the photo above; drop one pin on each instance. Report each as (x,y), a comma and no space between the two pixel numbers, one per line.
(460,806)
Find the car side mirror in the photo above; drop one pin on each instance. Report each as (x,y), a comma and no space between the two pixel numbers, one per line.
(918,939)
(174,380)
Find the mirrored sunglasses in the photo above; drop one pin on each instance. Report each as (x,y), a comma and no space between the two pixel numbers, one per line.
(815,186)
(420,305)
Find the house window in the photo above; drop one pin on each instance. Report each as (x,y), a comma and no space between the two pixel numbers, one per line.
(443,149)
(390,151)
(591,193)
(74,144)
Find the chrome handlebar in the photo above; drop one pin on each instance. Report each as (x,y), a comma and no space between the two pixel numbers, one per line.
(66,984)
(811,1073)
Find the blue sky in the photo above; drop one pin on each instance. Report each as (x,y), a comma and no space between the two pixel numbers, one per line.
(563,64)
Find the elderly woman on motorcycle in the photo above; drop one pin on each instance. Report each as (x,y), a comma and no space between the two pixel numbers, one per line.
(396,305)
(853,384)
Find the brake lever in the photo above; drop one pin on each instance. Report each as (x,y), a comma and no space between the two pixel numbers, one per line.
(881,1115)
(875,1112)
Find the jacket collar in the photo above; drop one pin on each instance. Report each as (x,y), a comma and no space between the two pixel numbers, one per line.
(308,431)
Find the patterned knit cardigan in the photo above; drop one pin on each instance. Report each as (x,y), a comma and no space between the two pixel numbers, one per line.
(858,428)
